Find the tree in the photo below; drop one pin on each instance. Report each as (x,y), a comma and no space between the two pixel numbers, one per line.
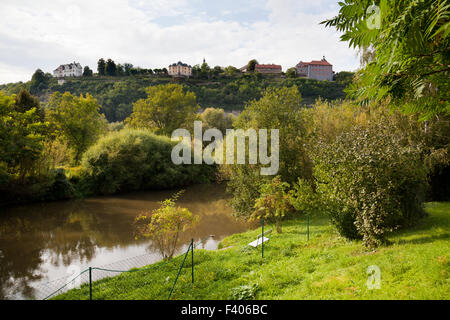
(24,102)
(166,108)
(278,109)
(205,71)
(76,120)
(291,72)
(101,65)
(409,40)
(371,180)
(231,71)
(165,224)
(110,68)
(127,67)
(345,77)
(273,203)
(217,118)
(87,72)
(120,70)
(251,65)
(39,81)
(22,132)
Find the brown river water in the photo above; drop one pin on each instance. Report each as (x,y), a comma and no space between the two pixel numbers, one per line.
(43,243)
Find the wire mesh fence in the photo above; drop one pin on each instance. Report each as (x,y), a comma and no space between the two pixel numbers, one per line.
(131,279)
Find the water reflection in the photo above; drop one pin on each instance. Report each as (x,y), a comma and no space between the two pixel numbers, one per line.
(39,242)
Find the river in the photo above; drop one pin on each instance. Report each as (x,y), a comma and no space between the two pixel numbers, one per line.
(46,243)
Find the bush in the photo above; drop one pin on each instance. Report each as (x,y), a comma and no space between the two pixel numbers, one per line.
(164,225)
(132,160)
(371,181)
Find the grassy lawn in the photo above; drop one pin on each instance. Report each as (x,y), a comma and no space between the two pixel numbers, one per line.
(416,265)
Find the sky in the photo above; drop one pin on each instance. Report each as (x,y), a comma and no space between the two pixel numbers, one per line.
(153,34)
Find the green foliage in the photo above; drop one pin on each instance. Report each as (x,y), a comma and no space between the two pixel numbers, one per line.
(132,160)
(39,81)
(251,65)
(87,72)
(245,292)
(229,90)
(371,181)
(411,57)
(166,108)
(164,225)
(273,202)
(110,68)
(22,133)
(76,120)
(291,72)
(278,109)
(217,118)
(101,67)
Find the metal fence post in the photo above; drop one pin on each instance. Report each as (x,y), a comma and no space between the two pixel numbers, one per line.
(307,227)
(179,271)
(262,238)
(192,267)
(90,283)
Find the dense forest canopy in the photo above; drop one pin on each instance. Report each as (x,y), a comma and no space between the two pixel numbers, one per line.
(116,94)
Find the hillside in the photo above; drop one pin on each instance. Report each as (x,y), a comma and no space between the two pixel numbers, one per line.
(117,94)
(414,266)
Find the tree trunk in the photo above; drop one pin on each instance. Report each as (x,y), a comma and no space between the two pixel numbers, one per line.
(278,225)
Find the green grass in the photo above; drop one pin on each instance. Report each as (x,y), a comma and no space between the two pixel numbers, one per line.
(414,266)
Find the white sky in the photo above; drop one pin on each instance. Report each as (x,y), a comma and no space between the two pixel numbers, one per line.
(153,34)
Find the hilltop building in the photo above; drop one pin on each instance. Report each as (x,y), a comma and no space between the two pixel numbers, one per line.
(268,69)
(68,70)
(319,70)
(264,69)
(180,70)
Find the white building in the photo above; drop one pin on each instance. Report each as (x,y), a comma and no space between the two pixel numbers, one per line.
(68,70)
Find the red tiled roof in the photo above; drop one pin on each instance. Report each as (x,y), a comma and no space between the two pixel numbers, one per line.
(317,63)
(267,66)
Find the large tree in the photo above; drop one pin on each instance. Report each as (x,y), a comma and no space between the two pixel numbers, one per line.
(76,120)
(39,81)
(409,45)
(251,65)
(87,72)
(22,133)
(110,68)
(101,65)
(166,108)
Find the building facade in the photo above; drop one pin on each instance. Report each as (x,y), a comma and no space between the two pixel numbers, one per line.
(316,69)
(68,70)
(180,70)
(274,69)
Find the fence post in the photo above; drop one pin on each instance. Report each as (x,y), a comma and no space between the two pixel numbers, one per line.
(90,283)
(192,267)
(179,271)
(307,227)
(262,238)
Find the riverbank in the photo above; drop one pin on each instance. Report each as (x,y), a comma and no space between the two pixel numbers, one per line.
(414,266)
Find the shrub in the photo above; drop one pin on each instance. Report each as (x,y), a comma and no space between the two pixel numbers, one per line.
(164,225)
(132,160)
(371,181)
(273,203)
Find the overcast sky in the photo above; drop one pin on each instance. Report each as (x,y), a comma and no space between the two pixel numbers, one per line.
(153,34)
